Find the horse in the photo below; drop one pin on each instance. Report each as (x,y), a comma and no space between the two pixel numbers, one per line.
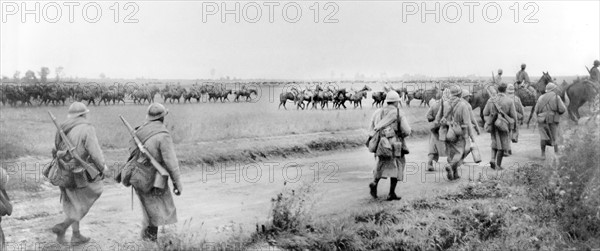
(285,96)
(175,94)
(305,95)
(424,95)
(481,96)
(577,94)
(342,96)
(245,93)
(530,96)
(378,98)
(357,98)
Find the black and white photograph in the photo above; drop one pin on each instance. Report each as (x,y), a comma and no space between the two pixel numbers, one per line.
(299,125)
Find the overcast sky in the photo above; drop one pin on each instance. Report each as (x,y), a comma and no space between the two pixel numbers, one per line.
(172,41)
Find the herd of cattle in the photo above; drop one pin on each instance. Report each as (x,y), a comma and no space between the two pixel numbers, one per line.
(60,93)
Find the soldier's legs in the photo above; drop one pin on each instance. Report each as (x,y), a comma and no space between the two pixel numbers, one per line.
(493,158)
(499,157)
(431,158)
(60,229)
(77,238)
(392,195)
(543,147)
(373,187)
(151,233)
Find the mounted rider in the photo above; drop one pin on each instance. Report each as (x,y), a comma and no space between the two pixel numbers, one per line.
(522,77)
(595,73)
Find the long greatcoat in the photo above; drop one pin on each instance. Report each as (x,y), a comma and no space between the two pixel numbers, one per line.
(77,202)
(437,148)
(158,207)
(5,205)
(461,114)
(392,167)
(500,140)
(549,103)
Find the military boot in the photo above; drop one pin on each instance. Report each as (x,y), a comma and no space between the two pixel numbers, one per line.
(150,234)
(449,173)
(60,229)
(373,189)
(455,171)
(78,239)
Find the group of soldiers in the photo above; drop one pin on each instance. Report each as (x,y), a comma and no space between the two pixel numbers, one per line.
(451,113)
(157,204)
(454,129)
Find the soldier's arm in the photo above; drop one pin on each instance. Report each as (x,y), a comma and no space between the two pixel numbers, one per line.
(487,110)
(513,114)
(466,125)
(404,126)
(372,122)
(561,105)
(93,148)
(474,122)
(430,115)
(439,115)
(167,151)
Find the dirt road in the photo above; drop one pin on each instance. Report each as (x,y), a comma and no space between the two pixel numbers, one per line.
(223,199)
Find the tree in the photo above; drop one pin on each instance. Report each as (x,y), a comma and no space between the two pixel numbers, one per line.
(44,72)
(212,73)
(17,76)
(102,75)
(30,77)
(59,73)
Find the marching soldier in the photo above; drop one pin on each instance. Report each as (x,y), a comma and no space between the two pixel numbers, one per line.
(466,95)
(392,167)
(78,200)
(522,76)
(158,208)
(548,109)
(500,105)
(498,78)
(437,148)
(5,206)
(456,112)
(595,73)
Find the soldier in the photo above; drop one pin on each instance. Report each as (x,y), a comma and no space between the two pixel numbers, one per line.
(500,139)
(498,78)
(522,76)
(474,128)
(548,109)
(466,95)
(520,109)
(158,208)
(456,111)
(595,73)
(78,200)
(5,206)
(392,167)
(437,148)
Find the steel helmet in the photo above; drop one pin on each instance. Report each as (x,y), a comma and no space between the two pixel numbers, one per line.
(156,111)
(455,90)
(392,96)
(77,109)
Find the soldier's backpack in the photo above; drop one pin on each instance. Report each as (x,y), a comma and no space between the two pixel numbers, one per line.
(138,171)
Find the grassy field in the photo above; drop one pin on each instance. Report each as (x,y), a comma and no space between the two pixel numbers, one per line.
(29,131)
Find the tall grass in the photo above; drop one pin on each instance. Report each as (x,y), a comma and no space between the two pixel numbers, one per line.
(29,130)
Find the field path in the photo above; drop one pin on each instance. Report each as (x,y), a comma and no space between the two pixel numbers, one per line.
(217,203)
